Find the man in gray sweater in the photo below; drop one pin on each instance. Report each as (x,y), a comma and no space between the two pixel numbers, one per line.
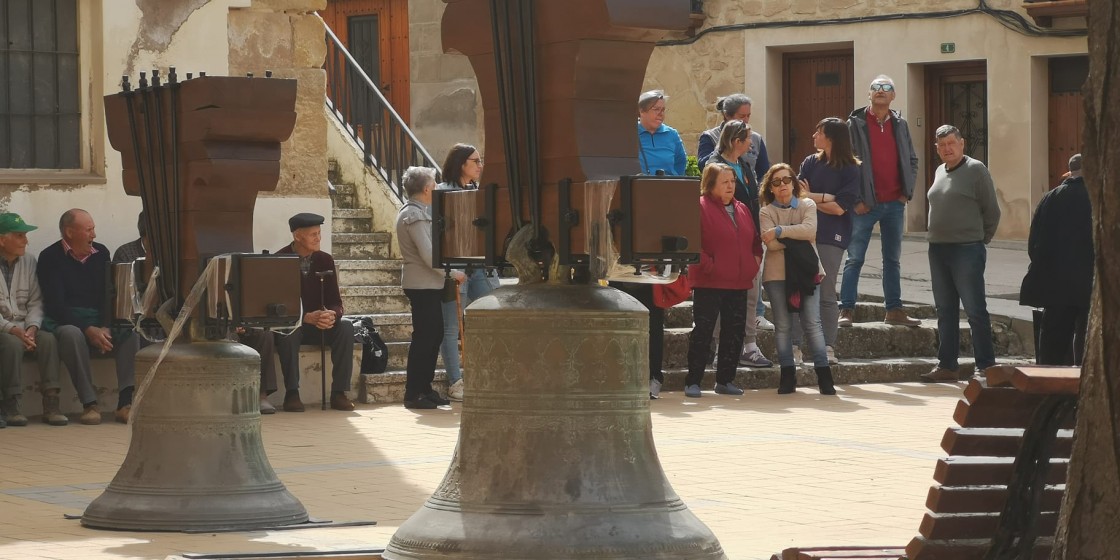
(963,217)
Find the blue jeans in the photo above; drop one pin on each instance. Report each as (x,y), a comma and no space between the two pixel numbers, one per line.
(810,324)
(891,217)
(957,274)
(476,286)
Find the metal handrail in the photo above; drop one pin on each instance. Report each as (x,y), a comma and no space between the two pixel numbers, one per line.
(388,145)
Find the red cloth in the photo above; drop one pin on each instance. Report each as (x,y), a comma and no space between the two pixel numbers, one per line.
(309,284)
(885,171)
(727,253)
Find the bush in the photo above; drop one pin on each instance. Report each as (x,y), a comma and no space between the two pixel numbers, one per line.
(692,169)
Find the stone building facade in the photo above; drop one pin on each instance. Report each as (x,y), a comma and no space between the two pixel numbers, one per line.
(219,37)
(745,46)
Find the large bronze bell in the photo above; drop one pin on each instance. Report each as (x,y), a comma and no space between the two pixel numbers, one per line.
(196,460)
(555,456)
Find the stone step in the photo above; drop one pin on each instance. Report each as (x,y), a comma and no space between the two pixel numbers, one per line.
(680,315)
(334,171)
(373,300)
(344,188)
(866,341)
(377,272)
(388,387)
(344,200)
(351,220)
(393,327)
(360,245)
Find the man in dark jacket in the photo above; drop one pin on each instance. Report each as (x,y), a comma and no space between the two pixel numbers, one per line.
(72,274)
(1060,276)
(322,316)
(889,169)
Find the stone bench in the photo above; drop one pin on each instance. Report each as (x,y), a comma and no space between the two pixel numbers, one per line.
(105,382)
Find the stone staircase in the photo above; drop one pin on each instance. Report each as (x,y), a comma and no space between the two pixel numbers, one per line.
(370,283)
(869,352)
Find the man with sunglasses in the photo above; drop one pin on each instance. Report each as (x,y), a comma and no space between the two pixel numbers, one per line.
(881,140)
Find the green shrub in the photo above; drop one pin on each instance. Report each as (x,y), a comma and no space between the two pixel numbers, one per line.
(692,169)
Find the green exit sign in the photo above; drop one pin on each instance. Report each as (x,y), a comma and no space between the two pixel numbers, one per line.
(948,48)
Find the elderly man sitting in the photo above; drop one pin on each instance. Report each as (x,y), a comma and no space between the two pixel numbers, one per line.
(21,314)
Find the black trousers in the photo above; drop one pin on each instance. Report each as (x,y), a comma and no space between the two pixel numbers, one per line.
(263,342)
(427,334)
(1061,341)
(340,340)
(644,294)
(730,307)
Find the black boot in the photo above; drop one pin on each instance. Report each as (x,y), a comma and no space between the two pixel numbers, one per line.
(824,380)
(788,381)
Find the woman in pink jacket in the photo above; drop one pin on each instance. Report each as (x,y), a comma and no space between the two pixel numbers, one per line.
(730,253)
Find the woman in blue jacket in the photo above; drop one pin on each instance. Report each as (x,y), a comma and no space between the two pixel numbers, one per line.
(831,178)
(660,148)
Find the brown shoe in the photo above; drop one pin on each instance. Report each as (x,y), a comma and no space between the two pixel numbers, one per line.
(91,416)
(898,317)
(292,402)
(941,375)
(122,414)
(12,414)
(51,413)
(846,318)
(339,401)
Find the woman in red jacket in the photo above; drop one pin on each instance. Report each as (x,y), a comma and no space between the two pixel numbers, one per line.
(730,253)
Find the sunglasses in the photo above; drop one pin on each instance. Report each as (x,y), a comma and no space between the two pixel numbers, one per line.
(882,87)
(781,181)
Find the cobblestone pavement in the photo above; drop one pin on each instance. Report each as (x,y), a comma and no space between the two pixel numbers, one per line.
(763,471)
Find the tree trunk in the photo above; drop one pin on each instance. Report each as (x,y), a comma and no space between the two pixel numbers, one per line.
(1087,529)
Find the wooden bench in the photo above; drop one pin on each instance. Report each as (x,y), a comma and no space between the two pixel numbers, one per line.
(996,487)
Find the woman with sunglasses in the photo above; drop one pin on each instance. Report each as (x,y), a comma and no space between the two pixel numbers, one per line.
(730,251)
(791,272)
(831,178)
(461,171)
(735,141)
(660,148)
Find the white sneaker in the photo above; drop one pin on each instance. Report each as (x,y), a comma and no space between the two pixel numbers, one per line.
(763,324)
(455,392)
(797,359)
(831,355)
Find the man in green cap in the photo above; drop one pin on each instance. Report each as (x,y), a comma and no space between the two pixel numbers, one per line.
(21,314)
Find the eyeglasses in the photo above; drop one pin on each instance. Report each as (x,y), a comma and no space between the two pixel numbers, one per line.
(882,87)
(781,181)
(476,160)
(659,110)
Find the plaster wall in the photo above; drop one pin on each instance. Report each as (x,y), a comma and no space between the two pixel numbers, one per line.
(124,38)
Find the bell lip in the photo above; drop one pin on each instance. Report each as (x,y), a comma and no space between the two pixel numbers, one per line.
(582,298)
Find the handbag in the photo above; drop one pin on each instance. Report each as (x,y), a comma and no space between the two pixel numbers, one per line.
(668,295)
(375,353)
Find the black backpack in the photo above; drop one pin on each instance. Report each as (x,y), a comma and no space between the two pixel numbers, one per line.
(375,353)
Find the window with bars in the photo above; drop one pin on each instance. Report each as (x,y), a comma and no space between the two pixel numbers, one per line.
(40,111)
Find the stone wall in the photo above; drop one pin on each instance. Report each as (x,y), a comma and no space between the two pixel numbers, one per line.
(286,37)
(446,107)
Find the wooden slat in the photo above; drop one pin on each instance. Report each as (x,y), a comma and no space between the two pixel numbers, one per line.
(838,552)
(983,499)
(1000,408)
(980,471)
(975,549)
(996,442)
(937,527)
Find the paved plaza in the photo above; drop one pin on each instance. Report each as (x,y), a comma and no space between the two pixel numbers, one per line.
(763,471)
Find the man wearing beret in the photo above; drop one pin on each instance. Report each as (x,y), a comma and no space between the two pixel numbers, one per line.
(72,274)
(21,314)
(322,316)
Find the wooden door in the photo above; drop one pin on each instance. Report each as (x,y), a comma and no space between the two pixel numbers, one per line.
(1067,113)
(376,34)
(817,85)
(956,94)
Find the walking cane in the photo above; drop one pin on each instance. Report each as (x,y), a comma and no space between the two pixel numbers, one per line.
(323,336)
(459,316)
